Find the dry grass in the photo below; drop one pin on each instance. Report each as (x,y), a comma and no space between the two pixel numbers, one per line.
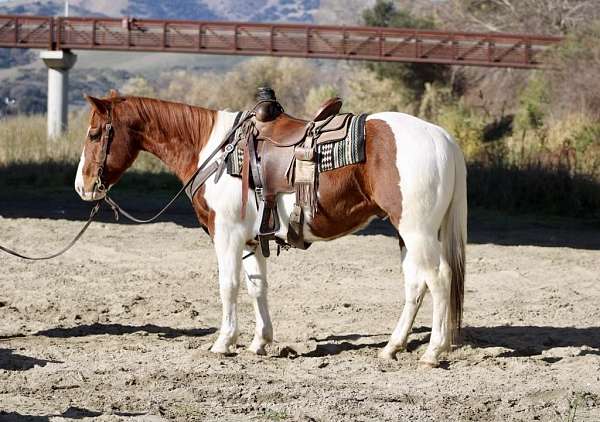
(23,141)
(32,164)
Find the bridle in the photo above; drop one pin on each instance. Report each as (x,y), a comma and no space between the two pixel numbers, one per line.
(105,141)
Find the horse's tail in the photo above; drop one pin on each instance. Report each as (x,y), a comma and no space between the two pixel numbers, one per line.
(454,239)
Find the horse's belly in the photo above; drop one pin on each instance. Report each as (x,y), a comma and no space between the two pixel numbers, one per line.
(343,207)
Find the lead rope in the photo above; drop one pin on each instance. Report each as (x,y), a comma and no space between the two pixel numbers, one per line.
(93,213)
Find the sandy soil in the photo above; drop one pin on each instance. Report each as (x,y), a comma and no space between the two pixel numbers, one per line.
(119,328)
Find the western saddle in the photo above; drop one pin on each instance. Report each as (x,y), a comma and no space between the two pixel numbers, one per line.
(279,156)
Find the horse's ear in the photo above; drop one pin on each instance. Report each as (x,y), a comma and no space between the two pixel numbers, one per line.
(97,104)
(115,97)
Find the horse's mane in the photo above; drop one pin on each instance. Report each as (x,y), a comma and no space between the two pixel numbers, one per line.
(172,120)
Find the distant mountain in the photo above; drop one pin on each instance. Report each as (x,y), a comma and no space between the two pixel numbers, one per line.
(230,10)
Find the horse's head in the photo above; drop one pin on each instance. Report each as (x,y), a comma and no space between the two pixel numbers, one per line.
(110,148)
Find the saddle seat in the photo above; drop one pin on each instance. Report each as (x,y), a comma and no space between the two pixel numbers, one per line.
(284,131)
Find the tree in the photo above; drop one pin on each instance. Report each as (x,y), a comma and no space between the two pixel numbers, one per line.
(341,12)
(138,86)
(573,81)
(413,76)
(535,16)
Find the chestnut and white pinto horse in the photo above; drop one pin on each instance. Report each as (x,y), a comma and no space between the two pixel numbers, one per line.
(414,175)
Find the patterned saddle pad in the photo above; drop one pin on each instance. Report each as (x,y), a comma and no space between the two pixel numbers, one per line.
(329,155)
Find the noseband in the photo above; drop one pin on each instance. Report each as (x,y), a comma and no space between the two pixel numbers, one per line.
(105,141)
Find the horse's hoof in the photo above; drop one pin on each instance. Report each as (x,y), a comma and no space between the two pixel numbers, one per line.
(257,350)
(221,348)
(428,364)
(387,355)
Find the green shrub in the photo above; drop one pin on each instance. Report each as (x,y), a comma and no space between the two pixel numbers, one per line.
(436,97)
(139,86)
(533,104)
(466,126)
(368,94)
(579,135)
(236,89)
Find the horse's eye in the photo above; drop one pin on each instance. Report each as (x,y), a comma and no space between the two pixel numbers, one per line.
(94,133)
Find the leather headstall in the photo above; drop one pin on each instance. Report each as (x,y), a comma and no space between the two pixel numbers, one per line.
(105,141)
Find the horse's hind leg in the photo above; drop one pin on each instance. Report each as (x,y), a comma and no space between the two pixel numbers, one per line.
(423,267)
(441,333)
(414,290)
(255,269)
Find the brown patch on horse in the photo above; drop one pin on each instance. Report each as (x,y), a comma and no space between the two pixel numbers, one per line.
(174,132)
(206,216)
(351,195)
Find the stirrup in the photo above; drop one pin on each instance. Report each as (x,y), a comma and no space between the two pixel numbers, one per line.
(264,246)
(269,222)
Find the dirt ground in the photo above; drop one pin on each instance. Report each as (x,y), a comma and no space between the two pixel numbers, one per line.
(119,328)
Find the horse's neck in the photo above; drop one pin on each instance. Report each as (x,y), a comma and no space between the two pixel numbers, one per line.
(178,143)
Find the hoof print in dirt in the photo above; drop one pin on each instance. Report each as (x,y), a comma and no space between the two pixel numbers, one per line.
(286,352)
(425,365)
(294,350)
(224,354)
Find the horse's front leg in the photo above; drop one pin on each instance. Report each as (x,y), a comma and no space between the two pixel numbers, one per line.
(229,244)
(255,269)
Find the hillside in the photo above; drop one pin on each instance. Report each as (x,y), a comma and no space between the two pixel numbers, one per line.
(249,10)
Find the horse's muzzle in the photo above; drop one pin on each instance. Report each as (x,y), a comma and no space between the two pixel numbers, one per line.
(94,195)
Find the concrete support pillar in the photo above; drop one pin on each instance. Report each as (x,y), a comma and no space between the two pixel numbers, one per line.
(59,62)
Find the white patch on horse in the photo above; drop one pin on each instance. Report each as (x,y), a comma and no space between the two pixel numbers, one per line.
(225,197)
(425,164)
(79,186)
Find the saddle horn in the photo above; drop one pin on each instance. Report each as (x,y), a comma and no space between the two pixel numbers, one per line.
(268,108)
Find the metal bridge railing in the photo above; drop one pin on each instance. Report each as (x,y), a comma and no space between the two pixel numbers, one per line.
(293,40)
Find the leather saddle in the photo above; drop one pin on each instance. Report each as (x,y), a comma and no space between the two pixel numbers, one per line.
(280,157)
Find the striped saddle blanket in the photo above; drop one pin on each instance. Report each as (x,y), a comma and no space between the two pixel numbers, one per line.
(333,149)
